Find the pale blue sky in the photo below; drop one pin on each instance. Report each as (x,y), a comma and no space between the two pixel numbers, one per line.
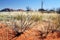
(33,4)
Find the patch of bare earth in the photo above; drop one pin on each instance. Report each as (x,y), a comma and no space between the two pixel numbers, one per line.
(30,35)
(53,36)
(6,33)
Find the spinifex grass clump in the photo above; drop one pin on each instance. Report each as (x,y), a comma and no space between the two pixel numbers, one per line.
(52,20)
(24,22)
(58,28)
(36,17)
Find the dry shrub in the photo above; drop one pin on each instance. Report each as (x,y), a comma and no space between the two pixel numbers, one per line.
(24,23)
(44,26)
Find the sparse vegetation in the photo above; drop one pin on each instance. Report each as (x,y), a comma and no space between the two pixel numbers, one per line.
(25,21)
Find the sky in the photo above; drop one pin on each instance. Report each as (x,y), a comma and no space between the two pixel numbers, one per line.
(33,4)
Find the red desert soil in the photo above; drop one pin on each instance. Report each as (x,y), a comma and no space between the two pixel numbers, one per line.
(35,35)
(53,36)
(30,35)
(6,33)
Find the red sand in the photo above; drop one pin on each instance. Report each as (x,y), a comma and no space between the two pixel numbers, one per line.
(6,33)
(53,36)
(31,34)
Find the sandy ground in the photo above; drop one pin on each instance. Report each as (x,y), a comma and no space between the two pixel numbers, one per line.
(34,33)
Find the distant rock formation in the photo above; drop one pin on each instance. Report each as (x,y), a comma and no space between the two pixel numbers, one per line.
(6,10)
(10,10)
(20,10)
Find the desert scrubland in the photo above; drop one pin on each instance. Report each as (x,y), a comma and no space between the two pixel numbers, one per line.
(29,26)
